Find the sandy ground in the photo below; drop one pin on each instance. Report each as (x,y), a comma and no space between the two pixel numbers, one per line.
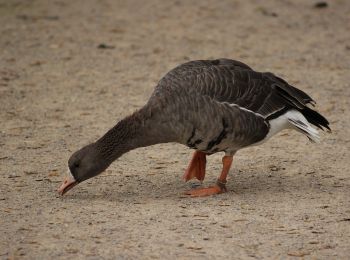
(59,91)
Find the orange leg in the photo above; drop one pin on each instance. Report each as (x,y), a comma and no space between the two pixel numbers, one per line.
(220,186)
(196,168)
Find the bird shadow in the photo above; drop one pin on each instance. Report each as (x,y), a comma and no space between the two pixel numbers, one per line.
(252,184)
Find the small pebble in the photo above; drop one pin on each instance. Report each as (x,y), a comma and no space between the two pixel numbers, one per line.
(105,46)
(321,5)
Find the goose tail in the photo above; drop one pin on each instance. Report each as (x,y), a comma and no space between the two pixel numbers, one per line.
(302,125)
(315,118)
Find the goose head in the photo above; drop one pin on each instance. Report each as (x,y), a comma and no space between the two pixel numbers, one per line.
(83,164)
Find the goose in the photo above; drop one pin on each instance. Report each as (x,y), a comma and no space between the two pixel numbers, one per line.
(210,106)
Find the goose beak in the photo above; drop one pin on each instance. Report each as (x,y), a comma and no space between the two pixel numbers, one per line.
(68,183)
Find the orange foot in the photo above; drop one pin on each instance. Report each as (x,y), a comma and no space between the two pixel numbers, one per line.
(196,168)
(202,192)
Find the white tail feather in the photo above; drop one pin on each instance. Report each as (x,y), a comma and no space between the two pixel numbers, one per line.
(300,124)
(292,119)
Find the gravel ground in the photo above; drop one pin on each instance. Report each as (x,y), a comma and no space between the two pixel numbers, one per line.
(69,70)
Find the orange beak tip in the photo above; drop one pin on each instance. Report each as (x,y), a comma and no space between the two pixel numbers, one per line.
(68,183)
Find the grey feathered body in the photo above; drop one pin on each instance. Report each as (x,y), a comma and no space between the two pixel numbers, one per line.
(219,105)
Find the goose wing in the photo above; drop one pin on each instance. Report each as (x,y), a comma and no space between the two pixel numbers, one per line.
(233,82)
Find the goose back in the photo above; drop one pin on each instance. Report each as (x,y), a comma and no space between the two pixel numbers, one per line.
(233,82)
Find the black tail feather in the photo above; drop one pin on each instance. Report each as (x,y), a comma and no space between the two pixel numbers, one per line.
(315,118)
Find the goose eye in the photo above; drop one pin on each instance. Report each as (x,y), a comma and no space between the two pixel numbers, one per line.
(76,165)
